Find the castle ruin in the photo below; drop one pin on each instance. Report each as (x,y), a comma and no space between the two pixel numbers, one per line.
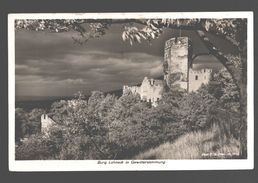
(178,72)
(150,90)
(46,123)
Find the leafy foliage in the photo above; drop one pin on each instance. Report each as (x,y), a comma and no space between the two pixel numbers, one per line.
(136,29)
(233,28)
(148,32)
(223,88)
(106,127)
(27,123)
(37,147)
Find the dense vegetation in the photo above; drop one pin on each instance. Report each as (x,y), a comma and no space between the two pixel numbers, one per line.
(107,127)
(195,145)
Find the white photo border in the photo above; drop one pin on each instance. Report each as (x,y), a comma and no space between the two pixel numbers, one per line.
(131,165)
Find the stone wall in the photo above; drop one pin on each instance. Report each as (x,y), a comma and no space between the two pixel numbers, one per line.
(198,77)
(132,89)
(150,90)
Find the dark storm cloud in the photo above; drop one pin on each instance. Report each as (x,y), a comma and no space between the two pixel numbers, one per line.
(109,71)
(50,64)
(37,45)
(86,62)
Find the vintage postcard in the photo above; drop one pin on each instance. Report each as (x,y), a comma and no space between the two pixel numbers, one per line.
(131,91)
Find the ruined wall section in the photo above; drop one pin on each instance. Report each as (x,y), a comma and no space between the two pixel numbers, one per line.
(132,89)
(198,77)
(150,90)
(46,123)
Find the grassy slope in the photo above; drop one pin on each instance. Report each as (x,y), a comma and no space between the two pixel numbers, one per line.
(193,145)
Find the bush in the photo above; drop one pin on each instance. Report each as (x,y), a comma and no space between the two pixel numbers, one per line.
(104,127)
(37,147)
(27,122)
(135,126)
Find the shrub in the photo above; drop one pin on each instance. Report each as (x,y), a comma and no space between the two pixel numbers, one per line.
(37,147)
(194,109)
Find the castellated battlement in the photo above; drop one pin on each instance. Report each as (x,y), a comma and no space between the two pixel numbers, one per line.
(133,89)
(201,71)
(46,123)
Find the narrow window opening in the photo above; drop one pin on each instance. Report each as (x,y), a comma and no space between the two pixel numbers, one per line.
(196,77)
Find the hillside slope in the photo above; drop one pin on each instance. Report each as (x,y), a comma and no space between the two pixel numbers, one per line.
(195,145)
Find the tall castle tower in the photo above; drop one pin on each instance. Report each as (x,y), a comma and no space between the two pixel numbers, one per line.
(177,60)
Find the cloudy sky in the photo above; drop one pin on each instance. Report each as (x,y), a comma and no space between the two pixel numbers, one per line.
(50,64)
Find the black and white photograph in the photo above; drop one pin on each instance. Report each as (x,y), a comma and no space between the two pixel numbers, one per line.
(130,91)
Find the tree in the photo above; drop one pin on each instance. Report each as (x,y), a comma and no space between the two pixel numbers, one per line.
(194,109)
(136,30)
(21,118)
(59,110)
(34,120)
(27,122)
(228,94)
(106,104)
(36,147)
(82,126)
(94,101)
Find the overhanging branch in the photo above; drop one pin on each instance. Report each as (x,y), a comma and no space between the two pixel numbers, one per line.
(198,25)
(199,54)
(236,76)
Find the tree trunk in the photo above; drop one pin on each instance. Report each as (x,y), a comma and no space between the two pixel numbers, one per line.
(240,79)
(243,121)
(243,101)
